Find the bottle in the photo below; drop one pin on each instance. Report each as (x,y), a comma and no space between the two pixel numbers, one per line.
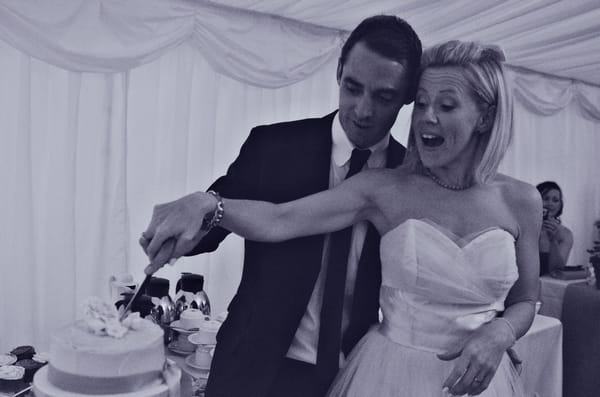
(163,307)
(142,304)
(119,284)
(190,294)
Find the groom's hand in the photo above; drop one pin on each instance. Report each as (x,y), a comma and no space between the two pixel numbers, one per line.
(164,255)
(179,220)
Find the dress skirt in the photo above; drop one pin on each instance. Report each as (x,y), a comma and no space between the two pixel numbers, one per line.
(380,367)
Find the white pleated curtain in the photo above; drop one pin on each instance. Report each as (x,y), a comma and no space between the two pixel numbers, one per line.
(109,107)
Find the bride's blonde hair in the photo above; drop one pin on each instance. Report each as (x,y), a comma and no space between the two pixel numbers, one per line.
(481,65)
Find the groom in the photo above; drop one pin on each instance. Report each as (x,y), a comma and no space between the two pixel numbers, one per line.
(302,304)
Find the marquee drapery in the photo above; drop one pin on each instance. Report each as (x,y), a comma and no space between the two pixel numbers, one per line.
(174,89)
(113,36)
(249,40)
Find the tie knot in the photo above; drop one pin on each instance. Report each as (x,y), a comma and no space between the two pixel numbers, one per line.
(357,161)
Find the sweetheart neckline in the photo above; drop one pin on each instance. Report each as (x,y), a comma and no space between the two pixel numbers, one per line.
(444,232)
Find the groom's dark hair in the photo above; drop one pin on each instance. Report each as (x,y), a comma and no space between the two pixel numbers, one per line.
(391,37)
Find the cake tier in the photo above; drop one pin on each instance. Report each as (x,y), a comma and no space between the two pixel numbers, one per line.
(77,354)
(42,387)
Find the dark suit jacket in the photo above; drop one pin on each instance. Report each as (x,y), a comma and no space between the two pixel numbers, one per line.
(279,163)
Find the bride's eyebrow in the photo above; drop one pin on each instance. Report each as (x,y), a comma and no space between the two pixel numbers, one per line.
(449,91)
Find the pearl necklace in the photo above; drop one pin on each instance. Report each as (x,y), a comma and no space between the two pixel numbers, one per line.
(443,184)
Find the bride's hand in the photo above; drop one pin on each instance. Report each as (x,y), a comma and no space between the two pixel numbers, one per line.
(477,361)
(179,220)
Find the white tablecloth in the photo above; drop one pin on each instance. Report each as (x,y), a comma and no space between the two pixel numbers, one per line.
(541,351)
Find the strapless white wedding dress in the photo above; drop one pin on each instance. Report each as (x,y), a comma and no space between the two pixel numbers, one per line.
(436,289)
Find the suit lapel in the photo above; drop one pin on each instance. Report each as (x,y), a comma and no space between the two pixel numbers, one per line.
(395,154)
(315,145)
(308,151)
(322,146)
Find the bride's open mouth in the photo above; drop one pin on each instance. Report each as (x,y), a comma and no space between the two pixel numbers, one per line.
(432,140)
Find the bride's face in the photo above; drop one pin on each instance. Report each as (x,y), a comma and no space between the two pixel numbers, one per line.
(445,118)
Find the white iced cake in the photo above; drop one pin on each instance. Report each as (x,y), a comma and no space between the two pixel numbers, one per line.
(101,356)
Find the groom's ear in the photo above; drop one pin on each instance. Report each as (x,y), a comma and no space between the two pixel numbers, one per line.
(340,68)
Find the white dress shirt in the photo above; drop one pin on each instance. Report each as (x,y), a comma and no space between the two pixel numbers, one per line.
(305,342)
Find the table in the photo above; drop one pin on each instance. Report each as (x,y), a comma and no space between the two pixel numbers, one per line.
(581,321)
(552,291)
(541,351)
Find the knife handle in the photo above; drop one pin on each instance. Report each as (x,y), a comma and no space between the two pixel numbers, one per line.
(167,247)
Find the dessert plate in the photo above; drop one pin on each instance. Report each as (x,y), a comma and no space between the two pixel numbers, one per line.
(191,361)
(176,326)
(175,348)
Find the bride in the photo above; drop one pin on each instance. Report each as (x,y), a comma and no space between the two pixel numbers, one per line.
(459,241)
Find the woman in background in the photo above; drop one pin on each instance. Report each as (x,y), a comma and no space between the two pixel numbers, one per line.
(556,240)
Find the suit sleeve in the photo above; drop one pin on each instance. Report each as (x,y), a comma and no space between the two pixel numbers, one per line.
(240,182)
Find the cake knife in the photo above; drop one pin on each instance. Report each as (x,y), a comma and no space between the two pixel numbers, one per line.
(167,246)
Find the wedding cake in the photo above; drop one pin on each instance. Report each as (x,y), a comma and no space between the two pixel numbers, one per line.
(100,356)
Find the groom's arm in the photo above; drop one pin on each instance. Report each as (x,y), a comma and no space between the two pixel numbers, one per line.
(239,182)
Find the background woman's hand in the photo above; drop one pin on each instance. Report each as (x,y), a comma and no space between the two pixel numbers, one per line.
(551,226)
(476,363)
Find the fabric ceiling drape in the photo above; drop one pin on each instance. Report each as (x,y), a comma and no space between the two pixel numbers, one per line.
(114,36)
(107,111)
(250,40)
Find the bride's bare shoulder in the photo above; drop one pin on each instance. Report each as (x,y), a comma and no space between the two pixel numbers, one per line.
(518,193)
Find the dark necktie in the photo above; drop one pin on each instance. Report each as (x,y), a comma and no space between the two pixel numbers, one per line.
(330,329)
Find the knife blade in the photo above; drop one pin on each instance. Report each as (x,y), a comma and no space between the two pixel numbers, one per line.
(168,246)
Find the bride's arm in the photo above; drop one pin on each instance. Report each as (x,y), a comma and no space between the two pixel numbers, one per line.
(326,211)
(521,300)
(330,210)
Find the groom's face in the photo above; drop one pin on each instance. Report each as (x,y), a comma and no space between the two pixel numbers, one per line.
(372,91)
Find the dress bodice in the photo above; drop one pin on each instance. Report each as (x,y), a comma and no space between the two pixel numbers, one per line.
(437,287)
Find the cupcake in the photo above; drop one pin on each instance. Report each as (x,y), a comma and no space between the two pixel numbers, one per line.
(11,378)
(30,366)
(23,352)
(7,359)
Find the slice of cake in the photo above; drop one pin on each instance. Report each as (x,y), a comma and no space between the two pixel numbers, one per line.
(98,357)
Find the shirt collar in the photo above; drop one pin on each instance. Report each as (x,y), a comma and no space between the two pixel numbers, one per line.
(342,147)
